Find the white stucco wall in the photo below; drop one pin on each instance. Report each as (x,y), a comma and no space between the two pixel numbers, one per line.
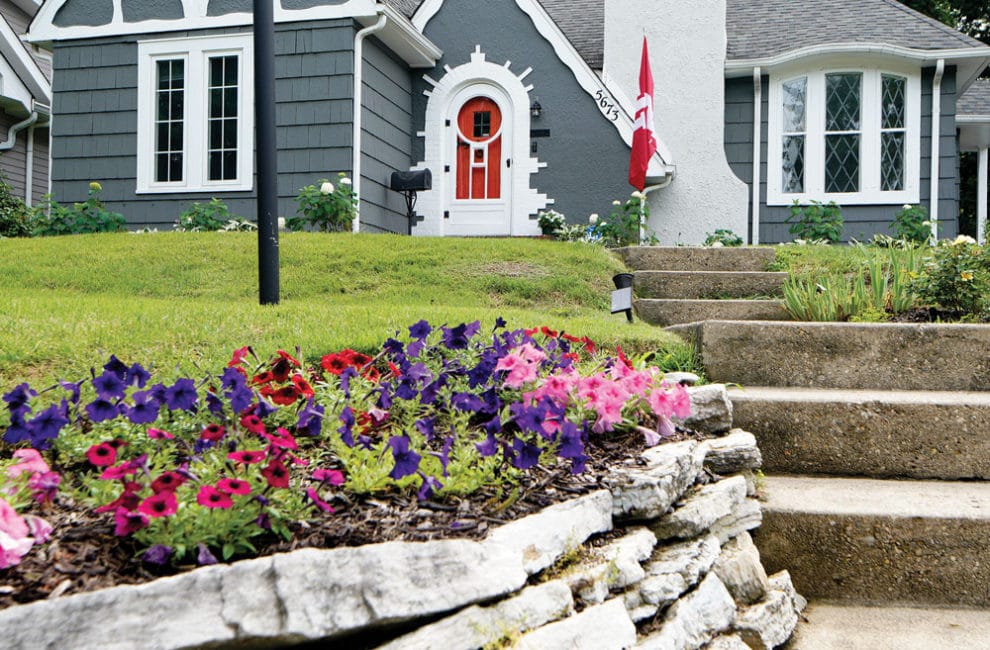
(687,42)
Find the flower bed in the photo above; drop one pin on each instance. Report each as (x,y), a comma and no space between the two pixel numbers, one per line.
(441,433)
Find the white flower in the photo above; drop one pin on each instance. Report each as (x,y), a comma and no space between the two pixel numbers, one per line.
(963,239)
(326,188)
(345,181)
(717,244)
(593,218)
(638,195)
(907,206)
(616,202)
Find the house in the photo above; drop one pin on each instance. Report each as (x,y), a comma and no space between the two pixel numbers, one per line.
(25,104)
(517,106)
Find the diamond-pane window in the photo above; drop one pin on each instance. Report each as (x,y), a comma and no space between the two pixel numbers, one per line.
(792,164)
(794,104)
(892,161)
(893,101)
(842,162)
(893,132)
(795,100)
(843,101)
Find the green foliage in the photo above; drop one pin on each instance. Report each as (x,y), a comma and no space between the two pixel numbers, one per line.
(324,207)
(551,222)
(622,226)
(817,221)
(912,225)
(956,278)
(50,218)
(880,287)
(205,218)
(723,237)
(13,213)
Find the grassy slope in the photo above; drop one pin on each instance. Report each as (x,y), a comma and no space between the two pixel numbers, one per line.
(173,299)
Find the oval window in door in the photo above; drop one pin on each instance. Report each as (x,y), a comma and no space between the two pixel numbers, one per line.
(479,150)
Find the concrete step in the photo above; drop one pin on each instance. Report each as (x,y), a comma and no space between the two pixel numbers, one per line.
(886,356)
(871,433)
(707,284)
(697,258)
(833,626)
(676,311)
(870,541)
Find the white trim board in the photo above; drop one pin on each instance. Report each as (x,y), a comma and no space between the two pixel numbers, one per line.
(609,99)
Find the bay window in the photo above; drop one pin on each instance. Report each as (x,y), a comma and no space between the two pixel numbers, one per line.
(846,135)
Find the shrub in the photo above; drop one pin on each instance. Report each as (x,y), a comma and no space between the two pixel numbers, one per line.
(50,218)
(723,237)
(956,278)
(622,226)
(911,224)
(325,207)
(816,221)
(206,218)
(13,213)
(550,222)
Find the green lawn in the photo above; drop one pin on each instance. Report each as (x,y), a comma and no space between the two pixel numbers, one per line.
(179,299)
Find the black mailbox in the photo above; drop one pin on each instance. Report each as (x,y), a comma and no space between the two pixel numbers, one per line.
(419,180)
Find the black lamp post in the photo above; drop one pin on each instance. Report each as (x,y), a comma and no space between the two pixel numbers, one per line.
(264,111)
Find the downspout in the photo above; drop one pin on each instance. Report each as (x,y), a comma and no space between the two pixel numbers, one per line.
(646,192)
(29,167)
(356,138)
(936,141)
(11,140)
(757,150)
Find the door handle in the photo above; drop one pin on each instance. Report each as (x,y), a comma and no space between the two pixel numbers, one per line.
(508,162)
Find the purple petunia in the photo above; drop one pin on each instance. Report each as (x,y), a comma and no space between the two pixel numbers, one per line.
(101,410)
(406,460)
(203,555)
(144,410)
(109,386)
(527,455)
(425,426)
(182,396)
(116,366)
(73,388)
(467,402)
(158,554)
(17,399)
(310,419)
(17,431)
(420,330)
(429,485)
(346,430)
(45,426)
(214,404)
(137,376)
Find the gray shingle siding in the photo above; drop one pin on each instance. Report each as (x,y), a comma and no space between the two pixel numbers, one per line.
(95,98)
(861,221)
(386,127)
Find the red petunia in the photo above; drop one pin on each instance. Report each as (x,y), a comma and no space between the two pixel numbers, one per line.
(128,500)
(589,345)
(335,364)
(210,497)
(288,357)
(284,396)
(276,473)
(302,386)
(234,486)
(102,455)
(548,332)
(212,432)
(394,369)
(265,377)
(246,457)
(238,357)
(168,482)
(253,423)
(162,504)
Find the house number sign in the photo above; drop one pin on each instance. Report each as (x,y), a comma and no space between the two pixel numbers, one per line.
(607,105)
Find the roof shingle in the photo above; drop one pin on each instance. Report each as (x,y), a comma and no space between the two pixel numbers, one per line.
(976,99)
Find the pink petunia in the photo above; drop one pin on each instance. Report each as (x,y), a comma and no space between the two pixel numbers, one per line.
(14,540)
(234,486)
(210,497)
(328,476)
(159,434)
(238,357)
(681,402)
(246,457)
(162,504)
(39,528)
(253,423)
(102,455)
(313,496)
(126,523)
(44,486)
(30,461)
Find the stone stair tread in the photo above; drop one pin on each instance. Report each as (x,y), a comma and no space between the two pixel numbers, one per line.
(859,396)
(782,275)
(708,284)
(669,311)
(878,498)
(832,626)
(697,258)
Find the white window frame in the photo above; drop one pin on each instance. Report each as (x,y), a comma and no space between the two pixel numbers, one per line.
(870,152)
(196,51)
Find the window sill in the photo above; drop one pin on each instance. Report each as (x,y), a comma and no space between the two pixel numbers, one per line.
(857,198)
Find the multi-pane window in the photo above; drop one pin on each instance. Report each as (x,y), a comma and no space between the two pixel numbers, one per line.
(795,101)
(482,124)
(893,131)
(852,136)
(223,118)
(169,120)
(195,106)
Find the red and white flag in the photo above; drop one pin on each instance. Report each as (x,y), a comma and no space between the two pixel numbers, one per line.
(644,143)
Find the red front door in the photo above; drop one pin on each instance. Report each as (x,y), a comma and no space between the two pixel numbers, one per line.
(479,150)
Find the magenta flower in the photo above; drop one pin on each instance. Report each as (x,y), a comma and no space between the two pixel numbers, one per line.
(246,457)
(210,497)
(328,476)
(44,486)
(162,504)
(253,424)
(276,473)
(159,434)
(126,523)
(314,496)
(39,528)
(168,482)
(283,440)
(212,432)
(234,486)
(102,455)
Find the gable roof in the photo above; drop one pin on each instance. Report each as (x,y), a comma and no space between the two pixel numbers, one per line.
(582,21)
(975,102)
(765,28)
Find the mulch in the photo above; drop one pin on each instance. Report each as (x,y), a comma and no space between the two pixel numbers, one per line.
(84,555)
